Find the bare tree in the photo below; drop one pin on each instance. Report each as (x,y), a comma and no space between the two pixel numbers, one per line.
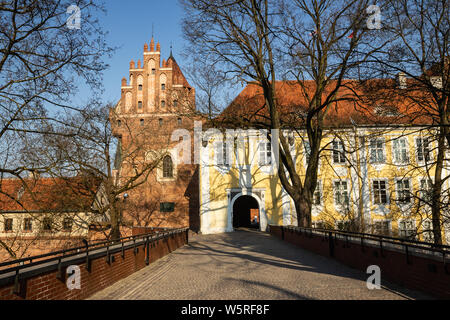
(247,39)
(418,54)
(89,152)
(44,54)
(210,85)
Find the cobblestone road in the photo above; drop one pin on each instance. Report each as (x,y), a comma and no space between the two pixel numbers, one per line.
(247,265)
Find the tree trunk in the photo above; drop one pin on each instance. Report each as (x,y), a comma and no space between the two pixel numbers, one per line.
(437,189)
(303,209)
(115,223)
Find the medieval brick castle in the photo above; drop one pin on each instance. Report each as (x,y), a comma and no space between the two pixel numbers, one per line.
(156,101)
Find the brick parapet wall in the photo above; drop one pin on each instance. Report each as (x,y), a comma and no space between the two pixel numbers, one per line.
(430,274)
(42,282)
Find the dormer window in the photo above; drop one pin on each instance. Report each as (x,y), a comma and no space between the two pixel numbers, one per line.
(386,111)
(175,103)
(119,123)
(163,86)
(163,104)
(139,104)
(20,193)
(179,121)
(160,122)
(140,87)
(153,71)
(436,82)
(142,122)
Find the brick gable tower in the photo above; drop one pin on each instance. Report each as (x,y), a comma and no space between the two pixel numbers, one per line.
(155,101)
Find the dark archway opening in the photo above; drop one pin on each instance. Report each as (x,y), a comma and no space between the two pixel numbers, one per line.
(246,212)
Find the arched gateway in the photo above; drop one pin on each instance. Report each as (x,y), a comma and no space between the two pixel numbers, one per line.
(246,212)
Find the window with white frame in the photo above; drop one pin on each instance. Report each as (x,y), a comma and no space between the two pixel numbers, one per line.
(265,154)
(341,197)
(427,230)
(47,224)
(400,146)
(382,227)
(222,153)
(317,196)
(379,192)
(423,149)
(8,225)
(27,224)
(403,191)
(376,150)
(426,190)
(407,229)
(338,151)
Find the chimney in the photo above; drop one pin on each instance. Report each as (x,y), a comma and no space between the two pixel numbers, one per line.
(124,82)
(401,80)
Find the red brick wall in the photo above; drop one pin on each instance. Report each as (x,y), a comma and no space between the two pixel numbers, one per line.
(414,272)
(46,286)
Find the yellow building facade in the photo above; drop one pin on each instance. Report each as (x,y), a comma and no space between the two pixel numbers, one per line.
(370,179)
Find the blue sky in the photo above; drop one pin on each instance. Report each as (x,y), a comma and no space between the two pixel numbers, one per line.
(129,24)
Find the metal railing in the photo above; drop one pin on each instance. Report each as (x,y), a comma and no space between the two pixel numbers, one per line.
(59,255)
(408,246)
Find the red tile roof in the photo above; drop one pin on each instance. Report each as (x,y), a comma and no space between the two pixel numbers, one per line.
(371,102)
(47,194)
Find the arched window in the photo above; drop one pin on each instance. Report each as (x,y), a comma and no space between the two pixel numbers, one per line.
(167,167)
(128,97)
(163,80)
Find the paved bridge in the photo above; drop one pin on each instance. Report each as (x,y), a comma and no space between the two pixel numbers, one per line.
(248,265)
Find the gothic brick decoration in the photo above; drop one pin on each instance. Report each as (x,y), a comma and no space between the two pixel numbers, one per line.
(155,101)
